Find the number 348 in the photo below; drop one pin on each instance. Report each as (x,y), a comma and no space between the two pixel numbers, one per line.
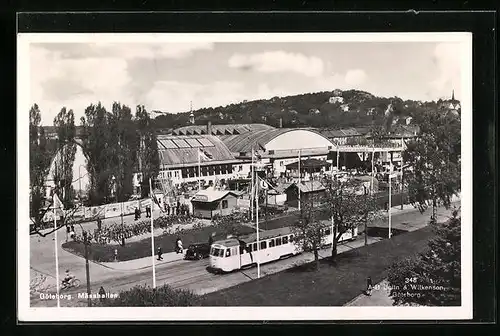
(411,280)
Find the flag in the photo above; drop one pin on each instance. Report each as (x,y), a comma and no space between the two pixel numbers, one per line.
(202,155)
(57,202)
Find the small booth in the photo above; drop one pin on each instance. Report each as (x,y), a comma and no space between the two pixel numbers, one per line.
(208,203)
(307,191)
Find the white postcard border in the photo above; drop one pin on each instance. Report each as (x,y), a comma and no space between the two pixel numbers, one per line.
(27,313)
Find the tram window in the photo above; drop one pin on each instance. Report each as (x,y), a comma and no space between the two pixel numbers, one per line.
(291,238)
(271,243)
(228,252)
(327,232)
(278,241)
(285,240)
(241,250)
(263,245)
(255,246)
(249,248)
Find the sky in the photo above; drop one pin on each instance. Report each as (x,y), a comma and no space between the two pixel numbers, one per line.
(171,76)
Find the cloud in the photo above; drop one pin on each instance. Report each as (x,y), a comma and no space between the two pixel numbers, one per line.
(278,61)
(447,58)
(355,77)
(176,96)
(75,83)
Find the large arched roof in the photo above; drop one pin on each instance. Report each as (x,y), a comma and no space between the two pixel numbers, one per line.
(257,140)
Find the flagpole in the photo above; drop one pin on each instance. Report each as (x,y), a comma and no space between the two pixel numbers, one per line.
(257,226)
(55,249)
(199,170)
(298,187)
(152,236)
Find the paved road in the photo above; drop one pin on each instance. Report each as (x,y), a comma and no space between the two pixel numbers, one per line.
(193,274)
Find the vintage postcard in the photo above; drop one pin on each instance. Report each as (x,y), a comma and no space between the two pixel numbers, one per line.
(215,177)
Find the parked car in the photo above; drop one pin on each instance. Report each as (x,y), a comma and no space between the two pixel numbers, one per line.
(197,251)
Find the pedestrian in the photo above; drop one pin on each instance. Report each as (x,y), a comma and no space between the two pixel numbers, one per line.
(72,232)
(68,232)
(160,253)
(99,224)
(148,211)
(102,294)
(369,286)
(137,214)
(167,209)
(211,239)
(178,245)
(178,206)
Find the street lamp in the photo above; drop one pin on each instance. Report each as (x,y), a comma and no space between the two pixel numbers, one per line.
(391,176)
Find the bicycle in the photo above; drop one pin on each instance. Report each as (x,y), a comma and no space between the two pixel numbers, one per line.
(73,283)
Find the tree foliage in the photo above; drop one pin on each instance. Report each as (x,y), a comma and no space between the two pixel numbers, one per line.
(97,145)
(148,156)
(125,140)
(349,205)
(64,123)
(434,158)
(308,230)
(40,158)
(432,278)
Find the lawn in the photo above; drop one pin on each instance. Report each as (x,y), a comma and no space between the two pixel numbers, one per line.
(333,285)
(142,248)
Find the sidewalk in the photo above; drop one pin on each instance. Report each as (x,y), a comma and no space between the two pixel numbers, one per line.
(143,263)
(380,297)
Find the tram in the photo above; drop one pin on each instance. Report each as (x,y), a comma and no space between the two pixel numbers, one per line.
(233,254)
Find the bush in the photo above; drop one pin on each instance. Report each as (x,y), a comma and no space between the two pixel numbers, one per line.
(164,296)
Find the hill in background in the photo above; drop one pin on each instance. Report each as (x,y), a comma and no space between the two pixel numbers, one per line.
(328,109)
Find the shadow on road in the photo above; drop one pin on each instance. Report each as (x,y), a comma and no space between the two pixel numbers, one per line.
(383,232)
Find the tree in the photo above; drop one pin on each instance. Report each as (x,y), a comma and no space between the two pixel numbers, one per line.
(40,158)
(64,123)
(432,278)
(434,160)
(308,231)
(124,139)
(148,158)
(96,140)
(349,206)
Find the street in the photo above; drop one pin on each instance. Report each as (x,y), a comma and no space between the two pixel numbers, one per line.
(190,275)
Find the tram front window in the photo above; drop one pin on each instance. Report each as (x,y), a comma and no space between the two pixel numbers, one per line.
(217,252)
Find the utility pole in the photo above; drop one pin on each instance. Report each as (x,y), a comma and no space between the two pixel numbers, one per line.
(87,270)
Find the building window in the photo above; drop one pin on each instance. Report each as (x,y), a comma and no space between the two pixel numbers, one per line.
(224,204)
(240,168)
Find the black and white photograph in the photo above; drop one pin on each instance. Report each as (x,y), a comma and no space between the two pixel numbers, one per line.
(244,176)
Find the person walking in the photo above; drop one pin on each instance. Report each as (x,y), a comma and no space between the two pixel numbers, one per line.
(369,286)
(178,246)
(99,224)
(211,239)
(160,252)
(137,214)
